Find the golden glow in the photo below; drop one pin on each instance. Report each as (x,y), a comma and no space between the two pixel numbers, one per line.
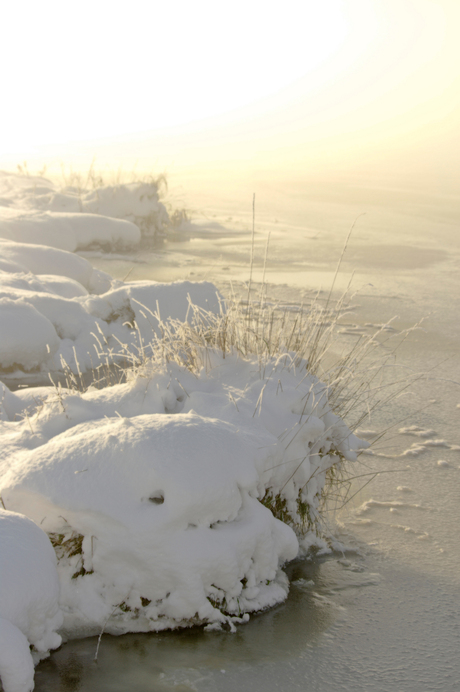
(94,69)
(301,85)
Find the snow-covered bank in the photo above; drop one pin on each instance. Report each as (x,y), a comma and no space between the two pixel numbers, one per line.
(153,492)
(34,210)
(175,498)
(78,314)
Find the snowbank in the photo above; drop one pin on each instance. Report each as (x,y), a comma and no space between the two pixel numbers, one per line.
(29,593)
(39,259)
(67,231)
(157,493)
(78,314)
(171,500)
(33,210)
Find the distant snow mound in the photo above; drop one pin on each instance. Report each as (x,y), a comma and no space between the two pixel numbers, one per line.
(135,202)
(33,210)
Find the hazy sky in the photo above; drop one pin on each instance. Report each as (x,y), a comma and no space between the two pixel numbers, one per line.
(300,82)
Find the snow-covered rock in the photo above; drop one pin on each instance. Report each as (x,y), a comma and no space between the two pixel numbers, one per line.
(29,594)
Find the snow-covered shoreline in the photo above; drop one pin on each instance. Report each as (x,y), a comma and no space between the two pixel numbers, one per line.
(159,495)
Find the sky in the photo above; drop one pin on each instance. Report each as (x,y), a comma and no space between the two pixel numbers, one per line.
(299,84)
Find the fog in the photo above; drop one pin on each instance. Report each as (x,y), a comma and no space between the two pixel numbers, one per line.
(352,91)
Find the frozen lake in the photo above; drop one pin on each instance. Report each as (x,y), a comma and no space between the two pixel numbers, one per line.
(385,614)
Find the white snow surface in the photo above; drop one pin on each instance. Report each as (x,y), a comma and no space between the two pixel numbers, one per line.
(156,493)
(161,481)
(67,231)
(78,314)
(34,210)
(29,594)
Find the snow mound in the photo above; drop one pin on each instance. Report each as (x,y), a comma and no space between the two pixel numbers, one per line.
(79,315)
(19,321)
(29,593)
(39,259)
(135,202)
(67,231)
(157,493)
(76,331)
(166,512)
(33,210)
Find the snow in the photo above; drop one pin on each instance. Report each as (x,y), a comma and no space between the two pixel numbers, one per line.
(156,494)
(161,480)
(39,259)
(34,210)
(77,313)
(77,332)
(20,320)
(67,231)
(175,526)
(29,593)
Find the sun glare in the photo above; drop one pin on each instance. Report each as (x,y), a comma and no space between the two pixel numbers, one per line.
(305,79)
(94,71)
